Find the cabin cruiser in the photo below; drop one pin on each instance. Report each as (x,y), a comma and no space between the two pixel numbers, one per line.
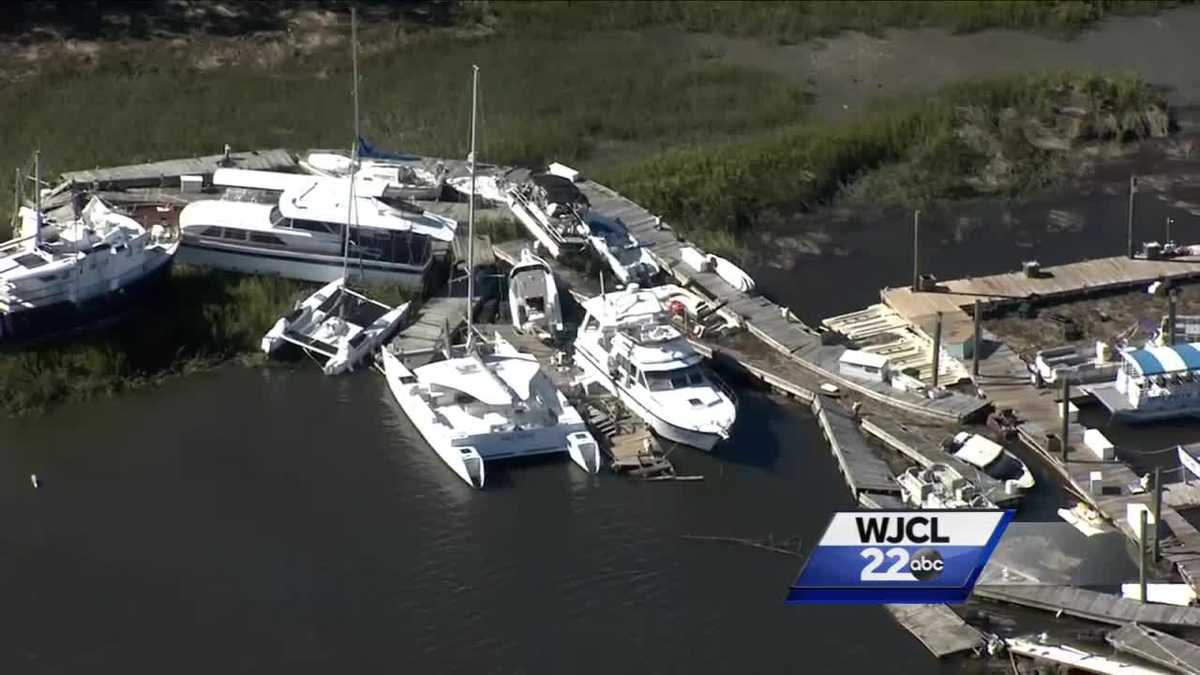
(628,345)
(292,225)
(991,458)
(402,177)
(939,486)
(337,324)
(492,403)
(533,297)
(61,274)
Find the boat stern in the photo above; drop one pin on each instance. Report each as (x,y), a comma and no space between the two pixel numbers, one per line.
(584,451)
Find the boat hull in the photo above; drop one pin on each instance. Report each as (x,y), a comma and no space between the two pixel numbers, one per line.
(304,267)
(59,317)
(697,439)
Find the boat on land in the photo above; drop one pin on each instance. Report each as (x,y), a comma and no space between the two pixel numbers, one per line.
(533,299)
(629,346)
(336,323)
(63,272)
(399,176)
(295,226)
(991,458)
(485,400)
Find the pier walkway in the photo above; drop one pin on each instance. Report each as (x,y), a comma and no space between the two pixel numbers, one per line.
(862,469)
(1157,647)
(1091,605)
(168,172)
(427,332)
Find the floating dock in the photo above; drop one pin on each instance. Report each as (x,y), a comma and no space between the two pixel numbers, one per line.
(1157,647)
(938,628)
(1091,605)
(167,173)
(436,320)
(862,469)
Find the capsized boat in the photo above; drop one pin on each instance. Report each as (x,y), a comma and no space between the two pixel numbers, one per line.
(338,325)
(628,345)
(492,403)
(61,274)
(533,300)
(991,458)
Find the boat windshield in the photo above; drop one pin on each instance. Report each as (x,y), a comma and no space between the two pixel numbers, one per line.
(681,378)
(1005,467)
(276,217)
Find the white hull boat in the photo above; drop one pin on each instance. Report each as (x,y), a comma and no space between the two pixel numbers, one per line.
(533,299)
(336,323)
(991,458)
(397,178)
(485,407)
(629,347)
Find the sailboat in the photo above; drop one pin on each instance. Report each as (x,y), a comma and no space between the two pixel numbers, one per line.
(338,324)
(63,272)
(486,400)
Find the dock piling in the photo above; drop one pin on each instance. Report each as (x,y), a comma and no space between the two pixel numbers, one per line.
(1142,556)
(1158,488)
(916,279)
(1066,417)
(1129,221)
(1169,338)
(976,338)
(937,348)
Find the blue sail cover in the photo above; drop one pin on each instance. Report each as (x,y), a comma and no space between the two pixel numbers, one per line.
(369,151)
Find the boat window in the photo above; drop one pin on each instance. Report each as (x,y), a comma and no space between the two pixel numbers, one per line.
(592,323)
(277,219)
(266,238)
(312,226)
(1004,467)
(681,378)
(237,235)
(211,232)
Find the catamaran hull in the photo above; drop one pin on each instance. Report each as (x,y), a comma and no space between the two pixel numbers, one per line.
(58,317)
(697,439)
(301,266)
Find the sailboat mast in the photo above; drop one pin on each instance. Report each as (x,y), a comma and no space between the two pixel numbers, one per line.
(37,197)
(471,210)
(350,207)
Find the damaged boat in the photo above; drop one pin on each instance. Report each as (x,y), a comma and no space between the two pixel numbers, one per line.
(533,300)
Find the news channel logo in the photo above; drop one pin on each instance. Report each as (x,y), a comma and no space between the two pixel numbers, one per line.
(899,557)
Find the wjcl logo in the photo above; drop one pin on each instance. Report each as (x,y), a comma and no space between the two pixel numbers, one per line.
(899,557)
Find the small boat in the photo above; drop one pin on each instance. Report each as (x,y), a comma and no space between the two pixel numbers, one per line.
(533,297)
(336,324)
(64,272)
(938,486)
(629,346)
(400,177)
(991,458)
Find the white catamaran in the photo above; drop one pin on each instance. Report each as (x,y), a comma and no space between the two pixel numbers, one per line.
(61,274)
(337,323)
(486,400)
(628,345)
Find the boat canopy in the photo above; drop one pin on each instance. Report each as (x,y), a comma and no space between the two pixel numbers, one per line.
(493,384)
(1159,360)
(368,151)
(559,190)
(978,451)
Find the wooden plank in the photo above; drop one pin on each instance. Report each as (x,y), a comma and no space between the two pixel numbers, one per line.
(860,467)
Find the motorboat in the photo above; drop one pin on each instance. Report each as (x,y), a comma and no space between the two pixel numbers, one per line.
(293,225)
(338,325)
(700,316)
(400,177)
(491,403)
(64,271)
(485,400)
(626,256)
(939,486)
(629,346)
(533,297)
(991,458)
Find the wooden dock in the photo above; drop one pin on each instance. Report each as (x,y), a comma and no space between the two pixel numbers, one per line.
(938,628)
(166,173)
(1091,605)
(1157,647)
(862,469)
(424,334)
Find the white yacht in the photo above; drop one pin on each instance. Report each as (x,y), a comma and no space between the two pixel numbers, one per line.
(494,403)
(61,274)
(629,346)
(991,458)
(487,400)
(401,177)
(533,297)
(337,324)
(293,225)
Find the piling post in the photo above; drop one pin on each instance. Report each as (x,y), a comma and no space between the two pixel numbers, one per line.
(937,348)
(1170,336)
(1142,557)
(1158,488)
(1129,221)
(1168,236)
(976,338)
(916,280)
(1066,417)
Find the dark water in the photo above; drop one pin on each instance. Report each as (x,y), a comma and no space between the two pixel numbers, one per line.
(281,521)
